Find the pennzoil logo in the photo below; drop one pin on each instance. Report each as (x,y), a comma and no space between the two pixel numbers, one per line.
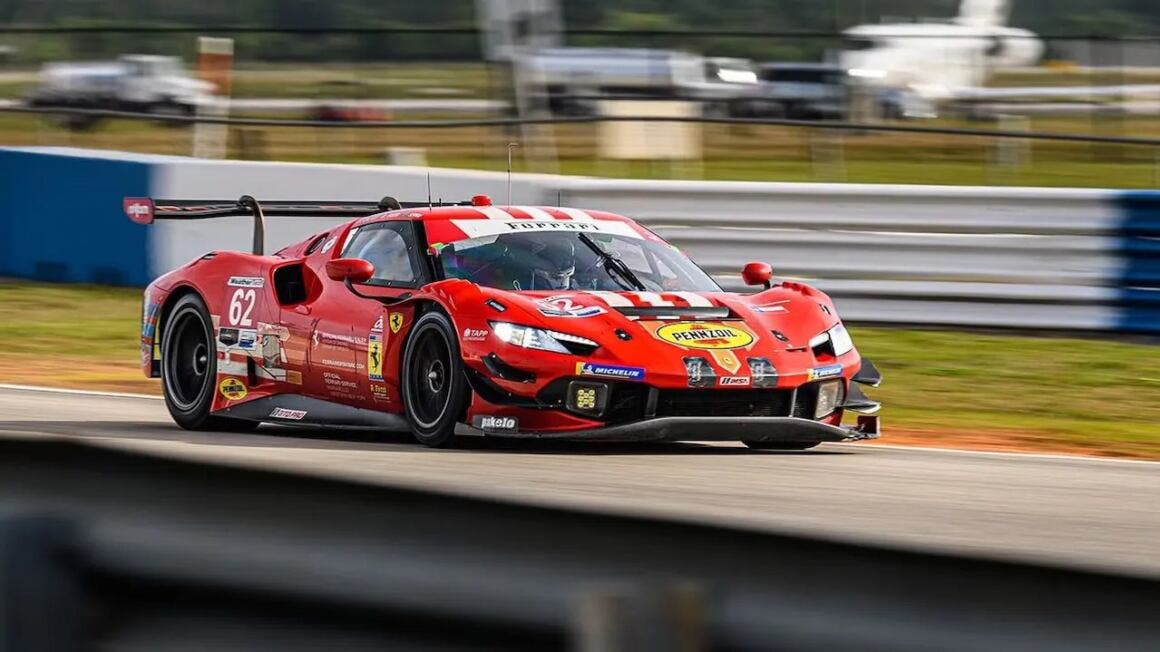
(233,389)
(705,335)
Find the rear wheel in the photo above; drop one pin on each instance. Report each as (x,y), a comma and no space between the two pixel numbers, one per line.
(434,387)
(189,368)
(780,445)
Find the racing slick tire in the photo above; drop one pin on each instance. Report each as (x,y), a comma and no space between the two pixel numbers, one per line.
(433,384)
(189,368)
(780,445)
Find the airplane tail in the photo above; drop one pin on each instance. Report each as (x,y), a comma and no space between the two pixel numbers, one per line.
(983,13)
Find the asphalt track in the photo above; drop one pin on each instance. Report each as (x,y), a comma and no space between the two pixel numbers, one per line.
(1079,512)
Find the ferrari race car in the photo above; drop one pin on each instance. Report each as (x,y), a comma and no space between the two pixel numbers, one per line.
(474,319)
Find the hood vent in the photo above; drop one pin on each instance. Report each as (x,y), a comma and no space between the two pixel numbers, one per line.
(687,313)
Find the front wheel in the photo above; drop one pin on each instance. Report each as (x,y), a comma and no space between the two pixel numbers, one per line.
(434,387)
(780,445)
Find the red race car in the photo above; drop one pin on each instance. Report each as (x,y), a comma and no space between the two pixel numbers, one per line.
(474,319)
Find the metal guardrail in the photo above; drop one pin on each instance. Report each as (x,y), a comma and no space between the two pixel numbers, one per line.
(144,551)
(564,120)
(1002,257)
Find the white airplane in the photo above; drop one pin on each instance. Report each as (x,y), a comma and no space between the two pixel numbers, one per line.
(939,60)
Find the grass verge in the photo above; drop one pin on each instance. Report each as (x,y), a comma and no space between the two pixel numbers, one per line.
(943,388)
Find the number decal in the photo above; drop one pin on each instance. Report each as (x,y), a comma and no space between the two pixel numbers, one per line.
(241,305)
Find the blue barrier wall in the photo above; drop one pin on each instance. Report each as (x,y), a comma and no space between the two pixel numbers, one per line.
(1140,251)
(61,219)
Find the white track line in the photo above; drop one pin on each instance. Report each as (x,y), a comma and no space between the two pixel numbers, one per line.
(925,449)
(81,392)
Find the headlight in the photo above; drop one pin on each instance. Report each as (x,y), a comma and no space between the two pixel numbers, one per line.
(841,340)
(537,338)
(830,394)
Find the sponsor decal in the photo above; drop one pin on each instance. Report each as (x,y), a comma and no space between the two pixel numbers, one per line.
(734,380)
(495,424)
(379,392)
(337,364)
(609,370)
(375,356)
(338,340)
(149,319)
(828,371)
(561,306)
(246,282)
(285,413)
(138,209)
(705,335)
(337,382)
(479,228)
(233,389)
(245,339)
(378,326)
(396,321)
(475,334)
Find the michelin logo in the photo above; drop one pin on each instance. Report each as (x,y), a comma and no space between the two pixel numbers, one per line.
(609,371)
(829,371)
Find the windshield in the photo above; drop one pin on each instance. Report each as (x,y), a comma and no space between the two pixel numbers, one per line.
(567,261)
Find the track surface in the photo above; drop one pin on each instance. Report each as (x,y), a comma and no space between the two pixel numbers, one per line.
(1101,514)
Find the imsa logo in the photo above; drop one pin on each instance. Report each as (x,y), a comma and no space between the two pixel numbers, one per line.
(705,335)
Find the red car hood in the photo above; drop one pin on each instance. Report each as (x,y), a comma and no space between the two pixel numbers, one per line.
(658,330)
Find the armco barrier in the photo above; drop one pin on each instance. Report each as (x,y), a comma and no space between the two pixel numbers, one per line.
(143,552)
(942,255)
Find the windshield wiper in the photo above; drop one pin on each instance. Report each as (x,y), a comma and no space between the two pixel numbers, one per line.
(612,263)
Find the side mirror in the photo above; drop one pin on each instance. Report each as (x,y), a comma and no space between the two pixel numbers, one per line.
(354,270)
(757,274)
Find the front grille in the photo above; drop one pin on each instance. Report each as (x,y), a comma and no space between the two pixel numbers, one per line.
(724,403)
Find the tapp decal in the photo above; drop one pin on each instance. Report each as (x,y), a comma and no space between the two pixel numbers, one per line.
(475,334)
(705,335)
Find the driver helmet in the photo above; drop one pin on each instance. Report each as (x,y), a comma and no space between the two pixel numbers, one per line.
(555,263)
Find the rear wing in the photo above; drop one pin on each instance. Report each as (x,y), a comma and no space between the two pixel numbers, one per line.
(143,210)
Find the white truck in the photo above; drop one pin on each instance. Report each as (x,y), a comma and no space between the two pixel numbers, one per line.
(134,82)
(573,78)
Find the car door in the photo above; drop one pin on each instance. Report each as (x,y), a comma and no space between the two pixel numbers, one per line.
(379,331)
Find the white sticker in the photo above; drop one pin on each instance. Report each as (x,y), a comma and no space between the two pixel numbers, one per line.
(734,380)
(477,228)
(475,334)
(241,305)
(285,413)
(246,282)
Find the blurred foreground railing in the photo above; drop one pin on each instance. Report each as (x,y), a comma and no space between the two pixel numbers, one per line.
(116,550)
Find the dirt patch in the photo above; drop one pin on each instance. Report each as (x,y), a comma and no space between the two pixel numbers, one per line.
(1013,441)
(77,374)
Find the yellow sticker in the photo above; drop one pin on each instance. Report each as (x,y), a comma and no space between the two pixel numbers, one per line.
(727,360)
(396,321)
(375,356)
(233,389)
(705,335)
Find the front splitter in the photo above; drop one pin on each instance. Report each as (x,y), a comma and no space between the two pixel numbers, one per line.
(777,429)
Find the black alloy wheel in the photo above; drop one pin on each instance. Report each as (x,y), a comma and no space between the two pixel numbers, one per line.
(189,368)
(434,387)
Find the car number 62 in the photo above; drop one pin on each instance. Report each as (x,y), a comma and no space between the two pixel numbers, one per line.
(241,305)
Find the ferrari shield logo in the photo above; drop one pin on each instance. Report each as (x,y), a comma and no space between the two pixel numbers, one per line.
(396,321)
(375,356)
